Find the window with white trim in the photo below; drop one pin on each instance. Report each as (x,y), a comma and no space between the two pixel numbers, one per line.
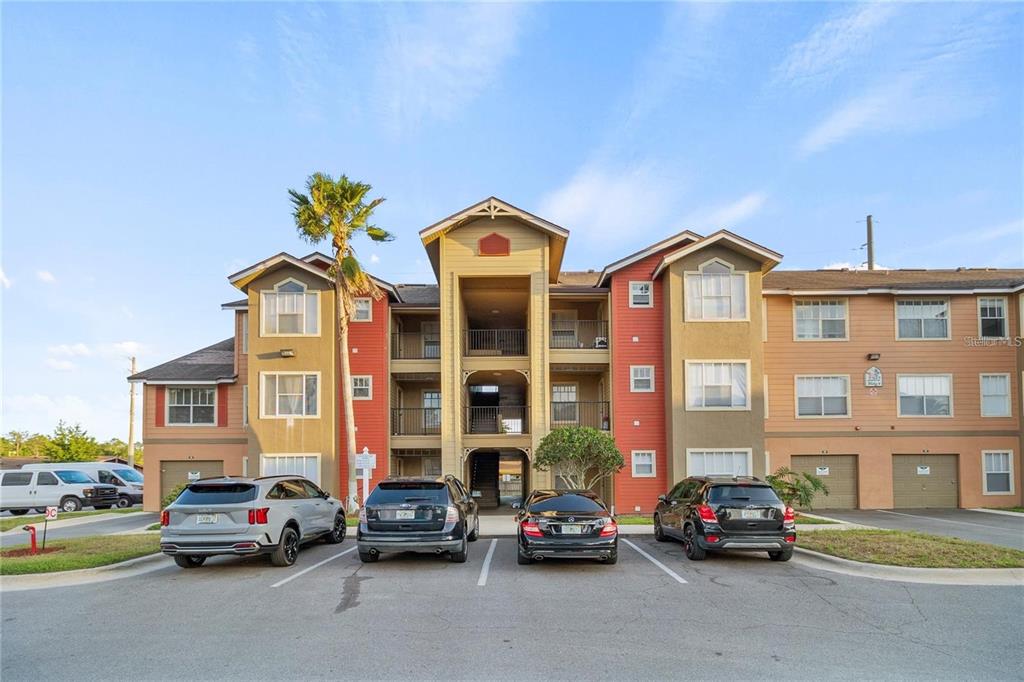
(291,394)
(642,463)
(362,310)
(717,386)
(641,378)
(820,320)
(716,292)
(245,405)
(291,465)
(925,395)
(245,333)
(992,318)
(921,319)
(998,472)
(641,294)
(564,408)
(718,462)
(362,387)
(823,396)
(290,310)
(192,406)
(995,395)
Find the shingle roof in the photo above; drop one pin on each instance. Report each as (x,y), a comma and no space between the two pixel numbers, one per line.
(586,278)
(240,303)
(965,278)
(207,364)
(426,295)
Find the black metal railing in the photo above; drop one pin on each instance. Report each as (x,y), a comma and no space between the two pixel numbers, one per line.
(593,414)
(579,334)
(415,421)
(508,419)
(415,346)
(495,342)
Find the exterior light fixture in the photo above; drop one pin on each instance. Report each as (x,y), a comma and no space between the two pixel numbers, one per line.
(874,356)
(287,353)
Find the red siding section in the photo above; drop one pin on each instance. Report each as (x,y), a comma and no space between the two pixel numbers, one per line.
(647,325)
(222,404)
(161,402)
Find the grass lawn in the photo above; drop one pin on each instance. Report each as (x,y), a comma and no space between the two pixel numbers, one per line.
(1019,510)
(71,554)
(899,548)
(801,519)
(634,520)
(153,526)
(8,522)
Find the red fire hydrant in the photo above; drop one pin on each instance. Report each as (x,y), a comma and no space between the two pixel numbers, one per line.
(32,534)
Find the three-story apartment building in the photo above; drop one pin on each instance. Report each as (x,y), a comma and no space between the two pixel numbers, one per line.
(899,388)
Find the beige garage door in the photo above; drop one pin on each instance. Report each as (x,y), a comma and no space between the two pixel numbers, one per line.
(174,473)
(838,472)
(924,481)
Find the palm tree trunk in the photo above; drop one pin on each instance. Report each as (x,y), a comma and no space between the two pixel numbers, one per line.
(352,503)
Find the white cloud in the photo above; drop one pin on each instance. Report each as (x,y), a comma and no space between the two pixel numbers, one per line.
(45,276)
(127,347)
(60,365)
(738,211)
(100,415)
(70,350)
(4,281)
(374,258)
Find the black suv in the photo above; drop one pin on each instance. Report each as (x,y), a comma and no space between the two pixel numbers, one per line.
(434,515)
(712,513)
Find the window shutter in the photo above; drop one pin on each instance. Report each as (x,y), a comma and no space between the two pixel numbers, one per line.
(222,404)
(161,402)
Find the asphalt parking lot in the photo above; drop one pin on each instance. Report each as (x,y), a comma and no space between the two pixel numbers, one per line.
(422,617)
(995,529)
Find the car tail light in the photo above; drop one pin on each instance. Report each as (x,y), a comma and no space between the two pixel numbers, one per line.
(789,516)
(706,513)
(453,515)
(362,515)
(790,538)
(609,529)
(712,538)
(258,516)
(165,518)
(532,529)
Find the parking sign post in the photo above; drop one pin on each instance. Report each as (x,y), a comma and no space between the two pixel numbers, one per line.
(366,461)
(51,513)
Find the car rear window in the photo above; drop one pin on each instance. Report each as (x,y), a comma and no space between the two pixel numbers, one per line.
(397,493)
(566,503)
(752,493)
(224,493)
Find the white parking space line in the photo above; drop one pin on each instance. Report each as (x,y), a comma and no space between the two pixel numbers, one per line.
(933,518)
(486,568)
(654,561)
(316,565)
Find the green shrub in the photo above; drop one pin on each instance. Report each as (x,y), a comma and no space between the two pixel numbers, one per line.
(172,495)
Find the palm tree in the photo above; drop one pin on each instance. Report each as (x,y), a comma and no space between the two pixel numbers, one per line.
(337,210)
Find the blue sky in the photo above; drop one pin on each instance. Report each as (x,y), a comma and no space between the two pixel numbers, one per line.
(147,149)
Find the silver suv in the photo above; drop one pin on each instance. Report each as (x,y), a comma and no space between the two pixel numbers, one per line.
(232,515)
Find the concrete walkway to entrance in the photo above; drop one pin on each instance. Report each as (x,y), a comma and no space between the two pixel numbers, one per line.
(995,529)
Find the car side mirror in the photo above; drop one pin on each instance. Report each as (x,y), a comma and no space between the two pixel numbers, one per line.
(326,495)
(662,498)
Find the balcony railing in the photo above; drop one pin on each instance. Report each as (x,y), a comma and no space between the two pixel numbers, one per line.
(415,421)
(415,346)
(593,414)
(494,342)
(508,419)
(579,334)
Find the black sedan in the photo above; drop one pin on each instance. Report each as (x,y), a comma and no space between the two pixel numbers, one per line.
(566,524)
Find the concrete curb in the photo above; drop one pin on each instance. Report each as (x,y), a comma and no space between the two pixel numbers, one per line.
(1001,512)
(906,574)
(69,523)
(83,576)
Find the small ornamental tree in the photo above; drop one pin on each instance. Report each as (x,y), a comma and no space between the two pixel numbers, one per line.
(796,488)
(71,444)
(580,455)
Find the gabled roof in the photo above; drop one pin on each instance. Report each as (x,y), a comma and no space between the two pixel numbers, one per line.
(211,365)
(311,264)
(684,236)
(964,280)
(768,258)
(419,295)
(240,304)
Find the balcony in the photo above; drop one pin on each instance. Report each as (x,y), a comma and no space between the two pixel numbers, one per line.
(416,421)
(503,419)
(415,346)
(495,343)
(596,415)
(579,334)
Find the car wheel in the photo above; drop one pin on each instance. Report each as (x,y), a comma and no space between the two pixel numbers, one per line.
(189,560)
(781,555)
(102,506)
(523,560)
(19,512)
(368,557)
(287,549)
(659,532)
(476,530)
(338,530)
(71,504)
(613,559)
(460,556)
(690,547)
(124,502)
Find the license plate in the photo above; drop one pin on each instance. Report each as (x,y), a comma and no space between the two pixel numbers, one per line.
(206,518)
(750,514)
(572,529)
(405,514)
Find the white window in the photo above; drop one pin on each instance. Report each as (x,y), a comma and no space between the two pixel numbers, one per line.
(643,463)
(641,378)
(192,406)
(992,318)
(245,332)
(290,394)
(290,310)
(995,395)
(716,293)
(291,465)
(564,408)
(998,472)
(925,395)
(717,385)
(245,405)
(641,294)
(823,320)
(363,311)
(920,319)
(716,462)
(362,388)
(823,396)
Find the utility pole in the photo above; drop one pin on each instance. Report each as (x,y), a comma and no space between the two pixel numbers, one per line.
(131,419)
(871,245)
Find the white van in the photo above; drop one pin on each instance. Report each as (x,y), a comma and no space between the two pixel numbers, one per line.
(127,480)
(64,487)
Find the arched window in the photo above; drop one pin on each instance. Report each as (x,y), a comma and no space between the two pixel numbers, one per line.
(290,309)
(716,292)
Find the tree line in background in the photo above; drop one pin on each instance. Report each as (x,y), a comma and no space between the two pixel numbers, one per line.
(67,443)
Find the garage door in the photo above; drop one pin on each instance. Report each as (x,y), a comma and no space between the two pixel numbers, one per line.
(920,481)
(838,472)
(173,473)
